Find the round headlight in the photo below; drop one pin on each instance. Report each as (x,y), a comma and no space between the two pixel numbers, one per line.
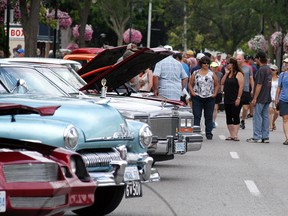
(70,137)
(145,136)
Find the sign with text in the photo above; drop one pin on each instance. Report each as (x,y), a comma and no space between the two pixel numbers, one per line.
(16,33)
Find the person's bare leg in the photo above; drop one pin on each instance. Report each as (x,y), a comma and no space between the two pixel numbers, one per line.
(231,131)
(285,125)
(236,129)
(271,112)
(275,116)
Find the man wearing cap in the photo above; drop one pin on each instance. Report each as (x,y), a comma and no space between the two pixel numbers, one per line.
(20,52)
(261,100)
(218,99)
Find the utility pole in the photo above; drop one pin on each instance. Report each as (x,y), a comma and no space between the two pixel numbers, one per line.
(149,24)
(55,30)
(7,29)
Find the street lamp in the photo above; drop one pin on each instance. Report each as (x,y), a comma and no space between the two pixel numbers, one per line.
(149,24)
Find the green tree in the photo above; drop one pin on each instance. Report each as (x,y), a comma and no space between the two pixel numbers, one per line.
(116,15)
(30,23)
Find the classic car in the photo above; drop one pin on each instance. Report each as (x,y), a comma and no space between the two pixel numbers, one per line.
(39,180)
(82,58)
(114,149)
(177,137)
(69,63)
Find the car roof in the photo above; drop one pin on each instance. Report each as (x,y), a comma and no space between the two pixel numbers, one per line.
(42,60)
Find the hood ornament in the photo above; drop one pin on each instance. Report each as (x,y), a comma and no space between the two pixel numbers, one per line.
(104,88)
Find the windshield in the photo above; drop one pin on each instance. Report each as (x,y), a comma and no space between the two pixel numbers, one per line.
(35,82)
(60,82)
(70,76)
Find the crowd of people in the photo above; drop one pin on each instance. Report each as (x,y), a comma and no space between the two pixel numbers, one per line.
(247,87)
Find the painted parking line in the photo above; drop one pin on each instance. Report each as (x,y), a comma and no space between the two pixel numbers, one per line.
(252,187)
(234,155)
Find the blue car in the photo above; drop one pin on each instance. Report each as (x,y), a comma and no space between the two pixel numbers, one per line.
(113,148)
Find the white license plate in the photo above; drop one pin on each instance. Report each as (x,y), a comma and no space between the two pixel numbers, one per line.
(180,147)
(131,174)
(133,189)
(2,201)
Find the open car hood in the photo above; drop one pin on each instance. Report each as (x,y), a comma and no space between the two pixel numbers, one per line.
(102,59)
(13,109)
(120,73)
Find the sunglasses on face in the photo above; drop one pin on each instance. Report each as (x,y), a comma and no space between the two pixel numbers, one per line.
(273,70)
(205,63)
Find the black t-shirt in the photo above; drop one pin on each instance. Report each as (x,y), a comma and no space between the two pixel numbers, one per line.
(231,88)
(264,77)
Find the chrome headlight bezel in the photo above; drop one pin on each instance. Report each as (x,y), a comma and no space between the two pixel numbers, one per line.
(71,137)
(145,135)
(189,122)
(182,122)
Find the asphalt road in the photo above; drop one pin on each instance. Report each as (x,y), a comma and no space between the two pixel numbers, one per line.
(224,178)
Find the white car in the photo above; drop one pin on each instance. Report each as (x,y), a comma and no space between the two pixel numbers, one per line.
(73,64)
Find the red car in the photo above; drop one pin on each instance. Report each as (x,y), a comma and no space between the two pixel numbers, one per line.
(40,179)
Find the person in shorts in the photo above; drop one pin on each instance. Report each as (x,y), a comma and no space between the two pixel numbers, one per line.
(214,66)
(282,98)
(247,89)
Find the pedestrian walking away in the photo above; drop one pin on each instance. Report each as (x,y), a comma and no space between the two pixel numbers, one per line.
(261,100)
(203,87)
(233,81)
(282,98)
(247,88)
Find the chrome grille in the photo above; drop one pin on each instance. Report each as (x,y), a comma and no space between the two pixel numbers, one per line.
(162,127)
(100,159)
(38,202)
(32,172)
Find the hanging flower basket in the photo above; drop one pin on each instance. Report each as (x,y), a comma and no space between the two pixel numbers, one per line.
(88,32)
(257,43)
(136,36)
(276,39)
(64,19)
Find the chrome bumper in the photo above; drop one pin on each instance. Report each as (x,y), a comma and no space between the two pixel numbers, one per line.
(164,147)
(194,141)
(116,177)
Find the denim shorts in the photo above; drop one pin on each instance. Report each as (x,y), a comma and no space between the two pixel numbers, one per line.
(283,108)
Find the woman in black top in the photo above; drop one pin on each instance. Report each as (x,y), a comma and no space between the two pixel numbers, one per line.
(233,82)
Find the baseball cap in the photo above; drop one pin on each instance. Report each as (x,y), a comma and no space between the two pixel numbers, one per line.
(274,67)
(214,64)
(190,52)
(199,56)
(285,60)
(20,51)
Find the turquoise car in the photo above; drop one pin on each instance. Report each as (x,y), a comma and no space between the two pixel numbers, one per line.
(113,148)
